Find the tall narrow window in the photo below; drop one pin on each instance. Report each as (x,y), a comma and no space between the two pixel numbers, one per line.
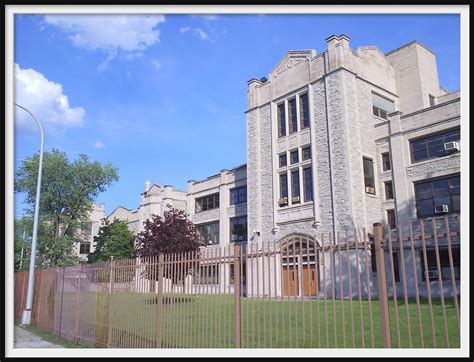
(293,122)
(281,120)
(282,160)
(306,153)
(238,195)
(295,186)
(238,229)
(392,223)
(369,175)
(304,111)
(386,161)
(388,190)
(308,184)
(283,189)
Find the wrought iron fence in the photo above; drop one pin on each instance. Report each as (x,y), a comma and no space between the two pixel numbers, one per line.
(349,290)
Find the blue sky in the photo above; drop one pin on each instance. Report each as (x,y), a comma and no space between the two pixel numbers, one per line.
(163,97)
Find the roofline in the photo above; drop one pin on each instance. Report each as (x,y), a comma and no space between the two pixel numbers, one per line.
(407,45)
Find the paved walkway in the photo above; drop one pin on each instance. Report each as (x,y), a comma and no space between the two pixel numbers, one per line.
(26,339)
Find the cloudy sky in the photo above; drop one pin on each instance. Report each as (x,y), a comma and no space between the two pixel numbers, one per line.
(162,97)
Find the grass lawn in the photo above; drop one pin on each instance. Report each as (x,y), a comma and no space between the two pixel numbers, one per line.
(206,321)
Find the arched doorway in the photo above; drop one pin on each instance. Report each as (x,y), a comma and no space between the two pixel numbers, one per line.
(299,266)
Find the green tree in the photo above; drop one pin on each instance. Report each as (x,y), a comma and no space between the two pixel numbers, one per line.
(114,239)
(68,190)
(23,229)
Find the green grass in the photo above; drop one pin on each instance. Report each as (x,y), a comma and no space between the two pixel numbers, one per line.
(52,338)
(207,321)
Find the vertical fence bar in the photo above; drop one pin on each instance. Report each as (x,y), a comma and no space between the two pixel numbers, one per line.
(417,292)
(159,303)
(237,299)
(359,290)
(78,306)
(110,299)
(428,286)
(404,282)
(323,249)
(350,290)
(369,288)
(394,288)
(310,290)
(282,287)
(276,293)
(341,290)
(258,293)
(333,286)
(440,283)
(382,286)
(289,289)
(451,269)
(301,293)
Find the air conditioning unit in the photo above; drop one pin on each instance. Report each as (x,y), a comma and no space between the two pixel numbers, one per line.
(451,146)
(295,199)
(441,209)
(283,201)
(432,274)
(370,190)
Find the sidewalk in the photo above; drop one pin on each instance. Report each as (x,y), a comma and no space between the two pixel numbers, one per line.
(26,339)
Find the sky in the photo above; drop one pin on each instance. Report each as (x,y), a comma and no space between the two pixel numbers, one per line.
(163,97)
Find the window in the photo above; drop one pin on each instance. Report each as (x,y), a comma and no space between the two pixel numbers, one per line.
(381,106)
(432,100)
(433,194)
(386,161)
(369,175)
(306,153)
(388,190)
(308,184)
(432,146)
(238,229)
(283,186)
(295,186)
(388,265)
(293,122)
(207,203)
(208,232)
(392,222)
(85,248)
(86,229)
(444,264)
(281,120)
(294,157)
(238,195)
(304,111)
(282,160)
(207,274)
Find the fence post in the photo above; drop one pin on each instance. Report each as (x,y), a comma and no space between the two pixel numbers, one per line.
(62,299)
(237,256)
(111,291)
(159,303)
(382,286)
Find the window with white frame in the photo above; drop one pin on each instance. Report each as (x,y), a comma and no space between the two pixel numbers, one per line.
(381,106)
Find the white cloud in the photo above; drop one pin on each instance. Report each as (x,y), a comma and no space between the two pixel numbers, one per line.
(201,34)
(208,17)
(156,64)
(45,100)
(131,34)
(99,145)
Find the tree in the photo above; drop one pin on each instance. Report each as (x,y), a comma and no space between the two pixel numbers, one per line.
(68,190)
(172,233)
(114,239)
(23,229)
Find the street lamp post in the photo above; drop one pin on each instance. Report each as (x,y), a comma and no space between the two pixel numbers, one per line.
(26,316)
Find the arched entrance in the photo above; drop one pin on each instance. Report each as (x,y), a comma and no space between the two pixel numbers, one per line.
(300,266)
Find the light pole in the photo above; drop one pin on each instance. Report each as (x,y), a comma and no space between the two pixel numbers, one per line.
(26,316)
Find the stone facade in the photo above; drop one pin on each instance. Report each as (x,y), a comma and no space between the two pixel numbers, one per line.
(346,92)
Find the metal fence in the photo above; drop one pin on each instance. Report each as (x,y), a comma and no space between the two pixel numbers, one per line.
(351,290)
